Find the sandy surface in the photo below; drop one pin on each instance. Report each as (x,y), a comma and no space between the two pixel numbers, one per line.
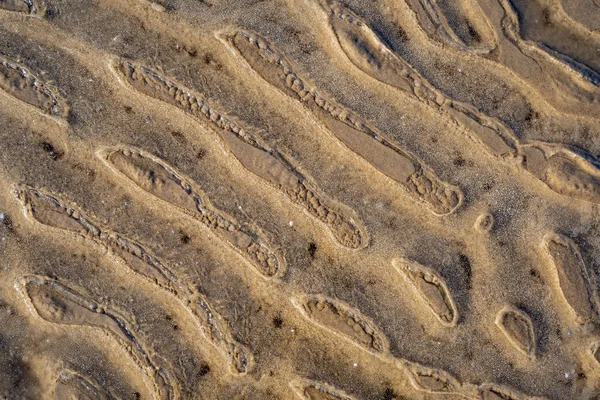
(299,199)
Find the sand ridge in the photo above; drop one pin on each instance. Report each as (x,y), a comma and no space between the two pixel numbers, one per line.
(313,199)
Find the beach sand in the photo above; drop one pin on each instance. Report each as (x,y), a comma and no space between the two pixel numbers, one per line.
(299,199)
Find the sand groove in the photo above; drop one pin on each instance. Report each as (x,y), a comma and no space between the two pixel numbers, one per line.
(431,288)
(313,390)
(435,381)
(501,97)
(342,319)
(518,329)
(60,304)
(18,82)
(566,170)
(418,180)
(50,211)
(247,148)
(582,73)
(72,385)
(575,283)
(491,391)
(553,85)
(370,54)
(433,20)
(350,323)
(546,71)
(161,181)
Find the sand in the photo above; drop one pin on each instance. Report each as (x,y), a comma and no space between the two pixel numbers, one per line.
(299,199)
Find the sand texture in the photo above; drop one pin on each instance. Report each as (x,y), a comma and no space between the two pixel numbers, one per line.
(300,199)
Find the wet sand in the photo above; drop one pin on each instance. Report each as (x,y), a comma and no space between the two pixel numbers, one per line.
(299,199)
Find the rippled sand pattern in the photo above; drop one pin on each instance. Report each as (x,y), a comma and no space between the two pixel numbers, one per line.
(300,199)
